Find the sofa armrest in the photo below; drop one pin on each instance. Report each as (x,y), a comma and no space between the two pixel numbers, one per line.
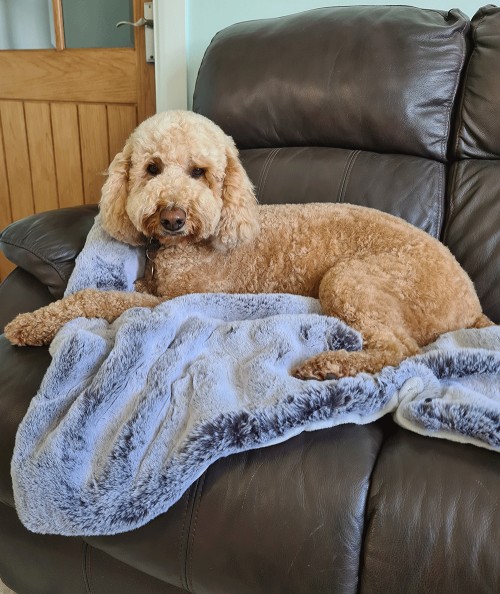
(21,292)
(46,244)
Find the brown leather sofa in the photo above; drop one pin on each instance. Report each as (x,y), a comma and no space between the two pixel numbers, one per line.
(395,108)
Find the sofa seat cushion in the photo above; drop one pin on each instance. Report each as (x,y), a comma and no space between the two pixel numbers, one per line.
(21,370)
(62,564)
(311,489)
(266,520)
(432,521)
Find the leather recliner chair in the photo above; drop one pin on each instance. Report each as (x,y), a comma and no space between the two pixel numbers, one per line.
(395,108)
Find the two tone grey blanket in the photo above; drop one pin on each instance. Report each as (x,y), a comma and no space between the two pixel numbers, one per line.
(131,413)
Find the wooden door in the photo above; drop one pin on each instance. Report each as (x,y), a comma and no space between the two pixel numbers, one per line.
(64,114)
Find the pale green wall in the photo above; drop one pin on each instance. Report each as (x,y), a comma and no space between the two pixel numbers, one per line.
(206,17)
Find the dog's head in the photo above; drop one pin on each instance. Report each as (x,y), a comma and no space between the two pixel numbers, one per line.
(179,180)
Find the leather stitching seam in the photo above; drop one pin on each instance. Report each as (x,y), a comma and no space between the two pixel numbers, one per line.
(265,172)
(346,174)
(189,572)
(182,563)
(86,564)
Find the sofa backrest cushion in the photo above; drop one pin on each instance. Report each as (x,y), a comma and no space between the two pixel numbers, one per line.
(375,78)
(406,186)
(472,230)
(341,104)
(478,130)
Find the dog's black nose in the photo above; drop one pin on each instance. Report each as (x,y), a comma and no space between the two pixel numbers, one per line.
(173,219)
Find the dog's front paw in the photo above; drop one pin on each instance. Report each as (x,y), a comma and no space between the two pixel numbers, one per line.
(26,330)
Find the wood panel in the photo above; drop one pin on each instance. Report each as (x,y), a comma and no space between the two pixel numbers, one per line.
(17,159)
(122,119)
(5,210)
(90,75)
(55,155)
(5,213)
(41,150)
(95,149)
(68,159)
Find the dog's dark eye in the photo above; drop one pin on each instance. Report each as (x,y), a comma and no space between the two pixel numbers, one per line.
(153,169)
(197,172)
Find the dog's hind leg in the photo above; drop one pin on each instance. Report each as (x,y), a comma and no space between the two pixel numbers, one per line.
(375,355)
(397,303)
(39,327)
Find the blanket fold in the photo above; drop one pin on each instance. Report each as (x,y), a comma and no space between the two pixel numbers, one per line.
(130,414)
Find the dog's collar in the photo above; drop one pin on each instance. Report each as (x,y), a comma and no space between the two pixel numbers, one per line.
(152,247)
(152,244)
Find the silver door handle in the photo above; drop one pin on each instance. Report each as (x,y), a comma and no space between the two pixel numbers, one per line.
(140,23)
(147,22)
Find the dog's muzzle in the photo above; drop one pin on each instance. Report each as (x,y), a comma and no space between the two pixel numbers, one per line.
(172,219)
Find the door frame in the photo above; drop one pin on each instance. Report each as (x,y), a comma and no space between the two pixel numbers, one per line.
(170,54)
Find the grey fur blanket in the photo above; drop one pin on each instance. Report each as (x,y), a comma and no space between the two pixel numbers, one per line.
(130,414)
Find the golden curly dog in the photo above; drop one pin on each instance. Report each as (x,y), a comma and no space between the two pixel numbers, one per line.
(179,182)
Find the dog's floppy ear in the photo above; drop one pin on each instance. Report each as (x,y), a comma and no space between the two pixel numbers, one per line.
(239,220)
(114,200)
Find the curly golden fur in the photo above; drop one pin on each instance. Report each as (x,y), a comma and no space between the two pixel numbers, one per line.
(179,182)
